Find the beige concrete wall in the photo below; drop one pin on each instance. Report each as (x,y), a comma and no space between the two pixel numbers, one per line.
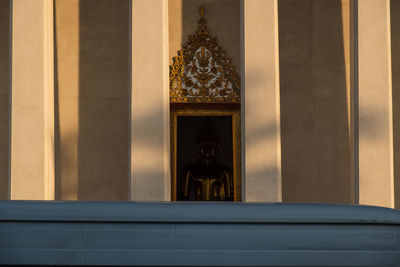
(395,49)
(261,96)
(223,19)
(314,64)
(150,165)
(92,100)
(32,140)
(375,104)
(4,96)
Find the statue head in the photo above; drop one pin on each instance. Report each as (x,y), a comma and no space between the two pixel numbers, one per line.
(207,144)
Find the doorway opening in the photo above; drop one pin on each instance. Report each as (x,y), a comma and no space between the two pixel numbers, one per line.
(205,120)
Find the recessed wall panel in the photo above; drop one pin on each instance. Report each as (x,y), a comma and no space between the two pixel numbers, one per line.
(314,52)
(4,96)
(395,49)
(92,99)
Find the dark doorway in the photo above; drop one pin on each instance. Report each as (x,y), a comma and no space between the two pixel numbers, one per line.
(188,130)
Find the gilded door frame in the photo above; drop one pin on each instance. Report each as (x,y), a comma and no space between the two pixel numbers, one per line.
(210,110)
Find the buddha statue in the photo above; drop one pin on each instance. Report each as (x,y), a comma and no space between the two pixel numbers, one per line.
(207,180)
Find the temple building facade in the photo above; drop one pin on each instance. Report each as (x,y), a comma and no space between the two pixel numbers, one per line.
(221,100)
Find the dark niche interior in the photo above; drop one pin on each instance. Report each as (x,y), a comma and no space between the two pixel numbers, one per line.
(189,128)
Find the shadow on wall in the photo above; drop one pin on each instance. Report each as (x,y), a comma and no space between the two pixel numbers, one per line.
(316,139)
(395,38)
(103,144)
(101,127)
(4,96)
(223,19)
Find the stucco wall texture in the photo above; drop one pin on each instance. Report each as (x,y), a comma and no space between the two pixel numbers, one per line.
(4,96)
(92,99)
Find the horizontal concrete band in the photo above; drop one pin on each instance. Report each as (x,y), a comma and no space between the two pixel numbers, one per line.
(194,212)
(197,234)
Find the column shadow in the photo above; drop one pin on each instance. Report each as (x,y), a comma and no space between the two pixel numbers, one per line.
(104,100)
(316,148)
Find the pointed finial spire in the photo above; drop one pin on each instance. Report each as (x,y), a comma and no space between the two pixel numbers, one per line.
(202,28)
(201,11)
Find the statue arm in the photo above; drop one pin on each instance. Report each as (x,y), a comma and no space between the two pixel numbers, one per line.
(227,185)
(188,184)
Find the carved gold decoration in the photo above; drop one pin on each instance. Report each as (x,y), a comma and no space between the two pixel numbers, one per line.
(202,72)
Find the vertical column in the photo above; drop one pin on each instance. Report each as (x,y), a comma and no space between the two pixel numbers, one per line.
(261,96)
(150,165)
(32,108)
(375,104)
(66,111)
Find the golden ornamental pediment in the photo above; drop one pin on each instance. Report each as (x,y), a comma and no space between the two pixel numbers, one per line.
(202,72)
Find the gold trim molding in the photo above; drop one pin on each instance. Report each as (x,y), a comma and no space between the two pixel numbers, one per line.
(236,149)
(202,72)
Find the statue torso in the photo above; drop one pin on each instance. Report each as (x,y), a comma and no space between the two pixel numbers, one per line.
(208,183)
